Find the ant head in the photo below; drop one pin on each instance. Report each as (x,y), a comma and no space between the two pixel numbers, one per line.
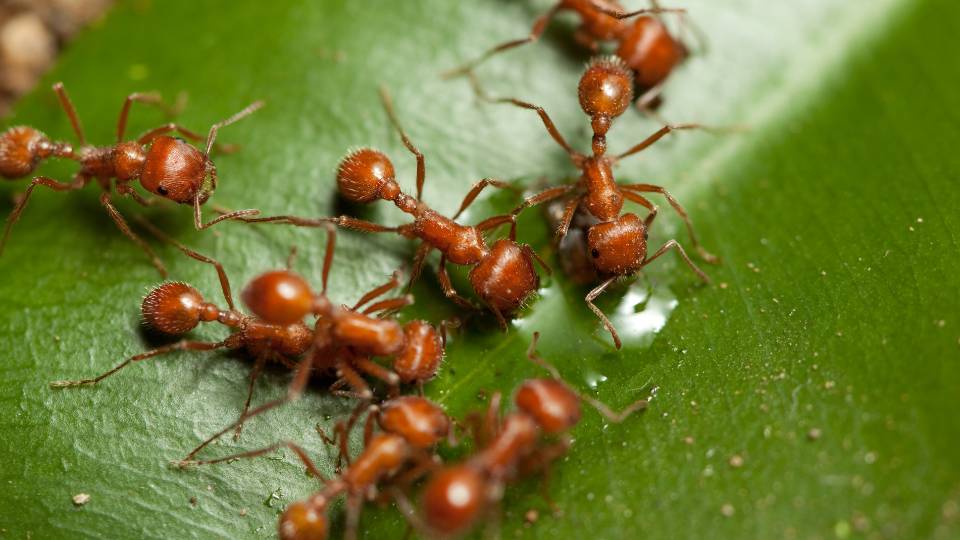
(175,308)
(505,277)
(606,88)
(177,171)
(555,407)
(20,149)
(279,297)
(453,499)
(421,355)
(366,175)
(303,520)
(618,247)
(418,420)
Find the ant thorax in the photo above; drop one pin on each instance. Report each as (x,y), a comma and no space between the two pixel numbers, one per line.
(603,199)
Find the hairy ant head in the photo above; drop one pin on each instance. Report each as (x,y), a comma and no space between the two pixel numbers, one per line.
(505,277)
(418,420)
(177,171)
(366,175)
(618,247)
(421,355)
(303,520)
(21,149)
(279,297)
(650,50)
(555,407)
(175,308)
(606,88)
(453,499)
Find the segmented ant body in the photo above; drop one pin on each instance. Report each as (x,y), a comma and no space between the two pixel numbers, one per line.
(615,241)
(391,459)
(645,44)
(525,441)
(503,275)
(164,165)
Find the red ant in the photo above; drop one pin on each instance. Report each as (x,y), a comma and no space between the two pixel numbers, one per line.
(523,442)
(343,337)
(502,275)
(615,241)
(399,455)
(164,165)
(646,45)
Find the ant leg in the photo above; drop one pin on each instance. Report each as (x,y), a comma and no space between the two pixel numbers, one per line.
(535,256)
(547,123)
(354,504)
(71,112)
(542,460)
(447,286)
(425,463)
(477,188)
(257,369)
(496,221)
(291,257)
(567,218)
(221,273)
(378,291)
(591,296)
(149,98)
(409,512)
(389,305)
(361,390)
(125,229)
(247,111)
(78,183)
(659,134)
(372,415)
(300,452)
(647,101)
(243,418)
(539,25)
(198,217)
(179,346)
(674,244)
(328,256)
(620,14)
(418,259)
(392,115)
(374,369)
(490,427)
(546,195)
(650,188)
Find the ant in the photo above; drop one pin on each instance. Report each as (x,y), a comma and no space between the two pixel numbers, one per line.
(164,165)
(394,458)
(646,46)
(526,440)
(502,275)
(616,241)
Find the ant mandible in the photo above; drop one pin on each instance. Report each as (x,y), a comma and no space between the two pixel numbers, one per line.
(502,275)
(646,45)
(616,241)
(396,457)
(164,165)
(526,440)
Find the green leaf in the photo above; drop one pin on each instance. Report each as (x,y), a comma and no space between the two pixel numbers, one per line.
(810,391)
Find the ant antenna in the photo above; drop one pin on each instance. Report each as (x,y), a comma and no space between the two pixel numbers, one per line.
(392,115)
(620,14)
(601,407)
(71,112)
(212,136)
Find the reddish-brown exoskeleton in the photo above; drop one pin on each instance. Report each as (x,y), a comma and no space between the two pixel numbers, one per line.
(645,44)
(615,241)
(392,459)
(502,275)
(164,165)
(525,441)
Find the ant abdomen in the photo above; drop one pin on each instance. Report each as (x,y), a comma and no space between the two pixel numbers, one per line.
(366,175)
(421,354)
(303,521)
(618,247)
(649,49)
(175,308)
(379,337)
(21,149)
(418,420)
(506,277)
(454,499)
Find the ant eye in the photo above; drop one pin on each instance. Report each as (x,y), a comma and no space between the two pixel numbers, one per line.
(181,139)
(162,190)
(646,236)
(595,253)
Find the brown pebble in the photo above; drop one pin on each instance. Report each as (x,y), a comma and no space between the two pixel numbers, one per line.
(814,434)
(736,461)
(531,516)
(81,499)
